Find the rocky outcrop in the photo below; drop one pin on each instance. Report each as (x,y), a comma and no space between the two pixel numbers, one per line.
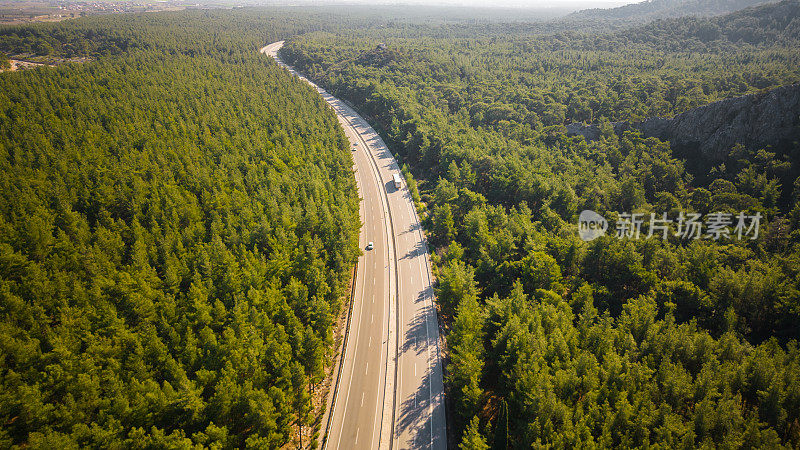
(765,119)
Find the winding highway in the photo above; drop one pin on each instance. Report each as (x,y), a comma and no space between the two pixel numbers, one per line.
(389,392)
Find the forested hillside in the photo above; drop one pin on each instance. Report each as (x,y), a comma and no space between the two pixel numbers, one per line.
(554,341)
(769,25)
(178,221)
(659,9)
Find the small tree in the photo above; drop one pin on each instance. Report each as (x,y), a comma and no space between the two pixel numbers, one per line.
(473,440)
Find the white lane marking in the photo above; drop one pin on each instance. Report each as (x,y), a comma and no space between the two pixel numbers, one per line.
(428,354)
(366,369)
(370,342)
(380,147)
(362,399)
(363,283)
(380,219)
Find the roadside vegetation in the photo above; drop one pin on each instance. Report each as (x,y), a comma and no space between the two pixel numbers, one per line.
(178,221)
(178,224)
(615,342)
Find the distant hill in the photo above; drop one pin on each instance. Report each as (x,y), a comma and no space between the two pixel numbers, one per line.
(662,9)
(770,24)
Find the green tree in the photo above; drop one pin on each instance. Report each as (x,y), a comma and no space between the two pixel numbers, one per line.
(473,440)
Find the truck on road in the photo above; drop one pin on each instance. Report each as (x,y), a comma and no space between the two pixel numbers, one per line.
(397,181)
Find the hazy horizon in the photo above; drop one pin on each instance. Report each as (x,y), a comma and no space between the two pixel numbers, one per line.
(501,4)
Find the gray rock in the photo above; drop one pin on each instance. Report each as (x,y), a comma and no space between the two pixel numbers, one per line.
(758,120)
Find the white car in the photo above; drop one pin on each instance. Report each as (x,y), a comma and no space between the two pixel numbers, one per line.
(370,246)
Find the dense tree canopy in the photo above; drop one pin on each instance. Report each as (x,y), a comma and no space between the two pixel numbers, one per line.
(615,342)
(178,217)
(178,220)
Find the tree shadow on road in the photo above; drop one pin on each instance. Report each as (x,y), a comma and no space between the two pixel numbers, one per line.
(411,228)
(416,335)
(414,417)
(419,249)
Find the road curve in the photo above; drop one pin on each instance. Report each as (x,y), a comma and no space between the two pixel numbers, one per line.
(389,393)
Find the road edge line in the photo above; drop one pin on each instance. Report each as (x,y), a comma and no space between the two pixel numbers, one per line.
(333,397)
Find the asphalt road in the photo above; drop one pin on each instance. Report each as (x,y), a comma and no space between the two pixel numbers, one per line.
(390,392)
